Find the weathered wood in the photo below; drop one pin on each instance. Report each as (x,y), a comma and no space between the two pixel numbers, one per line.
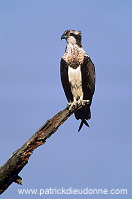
(10,170)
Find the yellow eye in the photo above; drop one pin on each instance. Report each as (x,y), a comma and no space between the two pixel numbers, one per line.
(68,33)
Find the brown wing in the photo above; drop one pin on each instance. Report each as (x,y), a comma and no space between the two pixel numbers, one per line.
(88,78)
(88,87)
(65,81)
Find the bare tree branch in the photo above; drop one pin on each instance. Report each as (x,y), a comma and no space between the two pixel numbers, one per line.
(10,170)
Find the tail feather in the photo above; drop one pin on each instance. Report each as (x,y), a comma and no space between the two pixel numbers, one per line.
(81,124)
(83,113)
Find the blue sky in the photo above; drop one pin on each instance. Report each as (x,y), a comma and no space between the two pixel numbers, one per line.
(31,93)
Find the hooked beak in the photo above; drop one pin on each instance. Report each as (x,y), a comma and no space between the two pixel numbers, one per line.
(63,37)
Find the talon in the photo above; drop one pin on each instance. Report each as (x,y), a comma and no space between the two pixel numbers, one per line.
(76,103)
(73,104)
(85,101)
(79,102)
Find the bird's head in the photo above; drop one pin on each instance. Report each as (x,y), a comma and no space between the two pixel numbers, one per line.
(72,36)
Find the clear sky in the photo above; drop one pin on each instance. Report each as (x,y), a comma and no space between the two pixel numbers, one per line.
(31,93)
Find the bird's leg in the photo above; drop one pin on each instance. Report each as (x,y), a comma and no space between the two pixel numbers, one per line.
(75,102)
(82,102)
(72,104)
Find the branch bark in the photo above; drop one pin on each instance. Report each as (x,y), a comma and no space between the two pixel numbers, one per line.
(10,170)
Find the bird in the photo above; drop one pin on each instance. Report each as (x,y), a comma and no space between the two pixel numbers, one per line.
(77,73)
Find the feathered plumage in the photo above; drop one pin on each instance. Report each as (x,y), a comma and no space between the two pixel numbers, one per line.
(77,75)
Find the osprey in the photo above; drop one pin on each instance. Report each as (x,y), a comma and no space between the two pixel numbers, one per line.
(77,76)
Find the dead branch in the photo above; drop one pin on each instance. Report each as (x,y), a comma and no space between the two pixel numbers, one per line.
(10,170)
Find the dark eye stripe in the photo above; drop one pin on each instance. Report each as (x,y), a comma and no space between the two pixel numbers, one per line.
(72,34)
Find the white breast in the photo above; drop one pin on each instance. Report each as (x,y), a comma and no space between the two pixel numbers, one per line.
(75,79)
